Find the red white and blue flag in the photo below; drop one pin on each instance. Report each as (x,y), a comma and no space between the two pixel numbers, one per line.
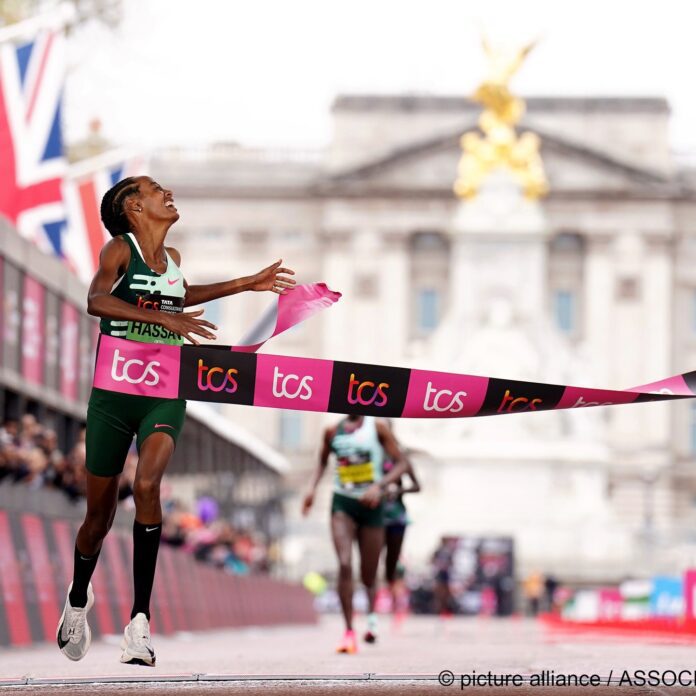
(84,187)
(49,203)
(32,161)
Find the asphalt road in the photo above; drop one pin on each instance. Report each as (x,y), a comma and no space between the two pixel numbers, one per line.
(407,659)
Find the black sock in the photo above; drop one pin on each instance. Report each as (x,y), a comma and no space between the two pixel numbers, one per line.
(146,539)
(82,573)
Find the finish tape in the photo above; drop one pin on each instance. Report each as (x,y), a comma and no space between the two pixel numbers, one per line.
(225,375)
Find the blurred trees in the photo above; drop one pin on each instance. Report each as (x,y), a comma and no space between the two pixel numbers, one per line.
(107,11)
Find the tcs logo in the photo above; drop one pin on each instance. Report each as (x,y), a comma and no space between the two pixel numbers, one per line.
(282,385)
(208,376)
(581,403)
(375,394)
(454,405)
(134,371)
(510,404)
(148,304)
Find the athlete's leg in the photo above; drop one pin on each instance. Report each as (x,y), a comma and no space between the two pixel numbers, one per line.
(73,633)
(343,532)
(102,498)
(155,453)
(108,438)
(393,540)
(370,543)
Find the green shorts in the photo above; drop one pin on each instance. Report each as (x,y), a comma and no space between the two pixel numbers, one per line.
(113,419)
(362,515)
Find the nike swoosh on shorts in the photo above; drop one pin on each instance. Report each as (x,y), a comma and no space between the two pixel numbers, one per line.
(163,425)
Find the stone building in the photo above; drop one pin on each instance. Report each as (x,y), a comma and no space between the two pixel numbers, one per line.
(596,286)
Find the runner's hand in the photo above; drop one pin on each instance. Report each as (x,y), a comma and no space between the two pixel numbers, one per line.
(187,323)
(271,278)
(372,496)
(307,504)
(393,492)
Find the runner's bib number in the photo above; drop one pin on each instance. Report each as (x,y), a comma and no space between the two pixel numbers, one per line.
(356,470)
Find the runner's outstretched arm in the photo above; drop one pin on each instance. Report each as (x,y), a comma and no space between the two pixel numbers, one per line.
(274,278)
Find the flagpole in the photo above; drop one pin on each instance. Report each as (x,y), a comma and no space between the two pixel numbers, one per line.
(56,19)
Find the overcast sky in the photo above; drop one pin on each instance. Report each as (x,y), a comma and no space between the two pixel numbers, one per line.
(264,72)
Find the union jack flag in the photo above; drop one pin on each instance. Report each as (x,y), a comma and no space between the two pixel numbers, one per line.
(32,162)
(84,187)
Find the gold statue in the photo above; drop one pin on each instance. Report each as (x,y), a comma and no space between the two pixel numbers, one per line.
(500,146)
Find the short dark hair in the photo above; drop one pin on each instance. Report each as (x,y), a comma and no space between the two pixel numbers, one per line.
(112,213)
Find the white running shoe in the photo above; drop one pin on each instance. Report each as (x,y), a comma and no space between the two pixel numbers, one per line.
(136,645)
(73,633)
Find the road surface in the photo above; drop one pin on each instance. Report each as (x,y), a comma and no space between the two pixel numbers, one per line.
(407,659)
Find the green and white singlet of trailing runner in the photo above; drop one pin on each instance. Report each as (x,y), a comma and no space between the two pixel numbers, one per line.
(359,457)
(141,286)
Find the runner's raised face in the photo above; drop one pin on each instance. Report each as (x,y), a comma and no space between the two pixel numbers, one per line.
(151,204)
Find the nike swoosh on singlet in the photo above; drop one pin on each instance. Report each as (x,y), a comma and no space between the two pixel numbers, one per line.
(175,281)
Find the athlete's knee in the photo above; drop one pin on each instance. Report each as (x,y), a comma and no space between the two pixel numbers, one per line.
(96,526)
(146,491)
(368,576)
(345,568)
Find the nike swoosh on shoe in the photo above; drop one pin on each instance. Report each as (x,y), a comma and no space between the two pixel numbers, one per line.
(61,643)
(175,281)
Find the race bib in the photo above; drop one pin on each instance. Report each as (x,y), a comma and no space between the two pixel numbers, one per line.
(152,333)
(356,470)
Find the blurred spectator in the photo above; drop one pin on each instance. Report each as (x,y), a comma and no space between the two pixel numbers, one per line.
(533,590)
(29,454)
(442,567)
(215,541)
(550,589)
(9,433)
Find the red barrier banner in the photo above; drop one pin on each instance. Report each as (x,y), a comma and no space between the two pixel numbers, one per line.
(119,577)
(36,559)
(33,327)
(12,588)
(69,338)
(44,579)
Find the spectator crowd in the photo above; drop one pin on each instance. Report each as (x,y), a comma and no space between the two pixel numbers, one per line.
(215,541)
(30,456)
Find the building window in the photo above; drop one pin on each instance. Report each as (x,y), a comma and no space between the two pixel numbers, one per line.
(692,429)
(564,310)
(429,241)
(428,309)
(628,288)
(567,243)
(366,286)
(290,437)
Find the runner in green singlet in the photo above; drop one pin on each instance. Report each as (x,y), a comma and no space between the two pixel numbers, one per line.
(357,511)
(140,294)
